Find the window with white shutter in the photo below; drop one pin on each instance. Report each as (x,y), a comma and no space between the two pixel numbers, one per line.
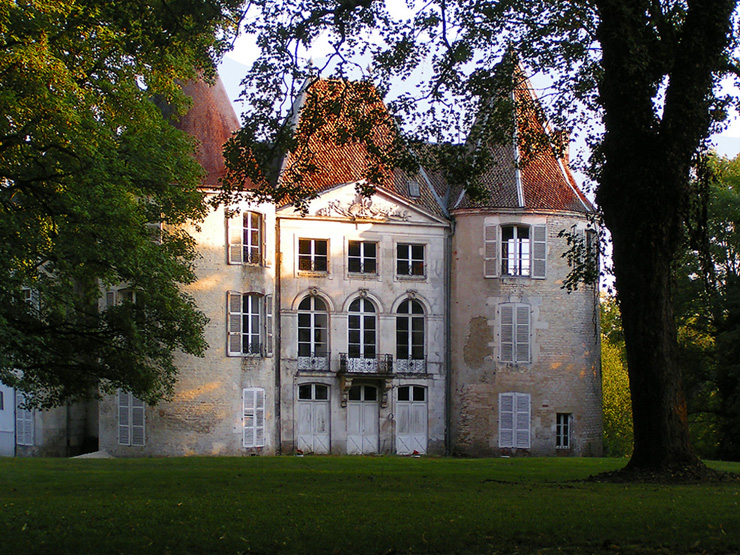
(253,399)
(131,419)
(24,425)
(515,333)
(245,234)
(514,420)
(245,331)
(515,250)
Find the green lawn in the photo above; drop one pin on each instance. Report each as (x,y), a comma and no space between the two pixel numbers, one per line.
(354,505)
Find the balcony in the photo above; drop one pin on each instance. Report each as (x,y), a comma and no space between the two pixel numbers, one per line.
(411,365)
(381,364)
(315,362)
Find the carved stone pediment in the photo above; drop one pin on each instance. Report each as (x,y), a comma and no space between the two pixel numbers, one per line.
(364,208)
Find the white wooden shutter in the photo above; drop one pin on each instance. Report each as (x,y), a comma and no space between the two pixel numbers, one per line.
(506,332)
(254,417)
(522,334)
(490,251)
(138,415)
(506,419)
(124,418)
(522,418)
(268,325)
(539,251)
(234,324)
(23,422)
(235,233)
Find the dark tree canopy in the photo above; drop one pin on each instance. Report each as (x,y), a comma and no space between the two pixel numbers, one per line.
(89,167)
(637,78)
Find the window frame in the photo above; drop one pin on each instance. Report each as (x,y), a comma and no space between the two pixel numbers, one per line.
(563,430)
(363,258)
(363,346)
(316,358)
(260,321)
(312,257)
(515,420)
(411,261)
(243,246)
(494,245)
(415,339)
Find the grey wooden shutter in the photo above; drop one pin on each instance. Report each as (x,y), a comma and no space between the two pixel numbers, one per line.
(268,325)
(23,422)
(138,415)
(539,251)
(506,420)
(506,332)
(522,419)
(235,233)
(124,418)
(490,251)
(234,324)
(522,334)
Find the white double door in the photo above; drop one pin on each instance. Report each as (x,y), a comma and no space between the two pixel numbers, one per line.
(313,419)
(411,420)
(362,420)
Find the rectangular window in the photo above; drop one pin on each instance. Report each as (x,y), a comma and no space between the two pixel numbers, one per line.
(409,260)
(515,250)
(563,421)
(313,255)
(253,399)
(24,421)
(245,232)
(2,401)
(245,333)
(513,420)
(362,257)
(131,419)
(514,333)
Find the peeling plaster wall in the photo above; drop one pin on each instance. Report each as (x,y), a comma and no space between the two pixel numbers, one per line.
(564,375)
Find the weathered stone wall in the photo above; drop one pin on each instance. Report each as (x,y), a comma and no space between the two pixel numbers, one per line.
(204,417)
(564,373)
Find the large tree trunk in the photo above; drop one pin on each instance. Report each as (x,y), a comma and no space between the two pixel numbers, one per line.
(644,191)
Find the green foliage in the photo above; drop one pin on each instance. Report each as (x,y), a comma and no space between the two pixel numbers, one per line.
(617,405)
(313,505)
(87,160)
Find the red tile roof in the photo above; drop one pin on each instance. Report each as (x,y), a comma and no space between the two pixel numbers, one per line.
(527,166)
(211,121)
(340,123)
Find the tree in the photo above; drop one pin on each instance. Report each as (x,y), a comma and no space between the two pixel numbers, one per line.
(646,69)
(89,168)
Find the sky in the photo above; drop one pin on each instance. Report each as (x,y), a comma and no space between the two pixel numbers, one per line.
(235,64)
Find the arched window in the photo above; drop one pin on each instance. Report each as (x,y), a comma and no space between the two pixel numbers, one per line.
(410,337)
(313,334)
(362,328)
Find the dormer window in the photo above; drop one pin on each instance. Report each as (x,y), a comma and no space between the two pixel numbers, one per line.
(515,250)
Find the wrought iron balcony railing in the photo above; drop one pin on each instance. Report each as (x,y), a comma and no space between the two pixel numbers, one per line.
(315,362)
(411,365)
(381,364)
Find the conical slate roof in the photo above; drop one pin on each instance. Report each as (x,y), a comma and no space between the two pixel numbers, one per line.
(211,120)
(525,171)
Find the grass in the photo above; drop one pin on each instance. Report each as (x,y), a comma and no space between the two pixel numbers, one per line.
(355,505)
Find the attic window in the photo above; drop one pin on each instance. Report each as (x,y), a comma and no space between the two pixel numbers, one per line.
(414,189)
